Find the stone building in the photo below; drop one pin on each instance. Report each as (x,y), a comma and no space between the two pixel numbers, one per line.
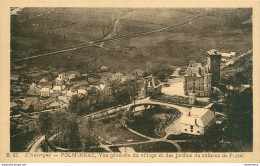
(199,78)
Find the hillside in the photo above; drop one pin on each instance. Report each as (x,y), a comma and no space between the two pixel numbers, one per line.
(241,72)
(42,30)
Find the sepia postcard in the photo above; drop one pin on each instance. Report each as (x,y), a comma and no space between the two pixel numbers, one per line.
(129,81)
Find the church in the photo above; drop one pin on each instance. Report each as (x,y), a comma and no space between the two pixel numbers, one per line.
(199,78)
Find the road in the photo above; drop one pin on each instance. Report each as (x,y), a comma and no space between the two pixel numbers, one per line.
(35,147)
(98,42)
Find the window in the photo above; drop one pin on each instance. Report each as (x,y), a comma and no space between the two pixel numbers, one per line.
(198,131)
(191,130)
(185,129)
(191,127)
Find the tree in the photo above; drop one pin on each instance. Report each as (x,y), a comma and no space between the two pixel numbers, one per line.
(78,105)
(73,104)
(45,121)
(69,137)
(115,89)
(239,79)
(59,123)
(87,134)
(214,95)
(162,75)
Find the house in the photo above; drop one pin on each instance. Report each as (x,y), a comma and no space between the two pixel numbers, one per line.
(198,121)
(70,93)
(45,85)
(55,105)
(43,80)
(14,77)
(25,108)
(57,88)
(60,79)
(82,91)
(13,105)
(38,107)
(105,89)
(45,92)
(34,92)
(31,101)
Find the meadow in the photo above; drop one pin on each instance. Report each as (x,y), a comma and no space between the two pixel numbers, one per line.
(42,30)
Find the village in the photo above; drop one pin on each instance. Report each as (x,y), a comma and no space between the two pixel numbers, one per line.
(185,104)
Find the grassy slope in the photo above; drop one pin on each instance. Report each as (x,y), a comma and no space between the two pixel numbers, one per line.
(63,27)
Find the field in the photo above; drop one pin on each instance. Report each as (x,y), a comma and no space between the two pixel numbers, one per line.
(42,30)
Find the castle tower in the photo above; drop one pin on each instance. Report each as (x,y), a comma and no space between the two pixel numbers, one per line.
(214,59)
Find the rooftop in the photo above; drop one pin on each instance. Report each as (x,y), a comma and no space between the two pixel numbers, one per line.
(198,112)
(198,116)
